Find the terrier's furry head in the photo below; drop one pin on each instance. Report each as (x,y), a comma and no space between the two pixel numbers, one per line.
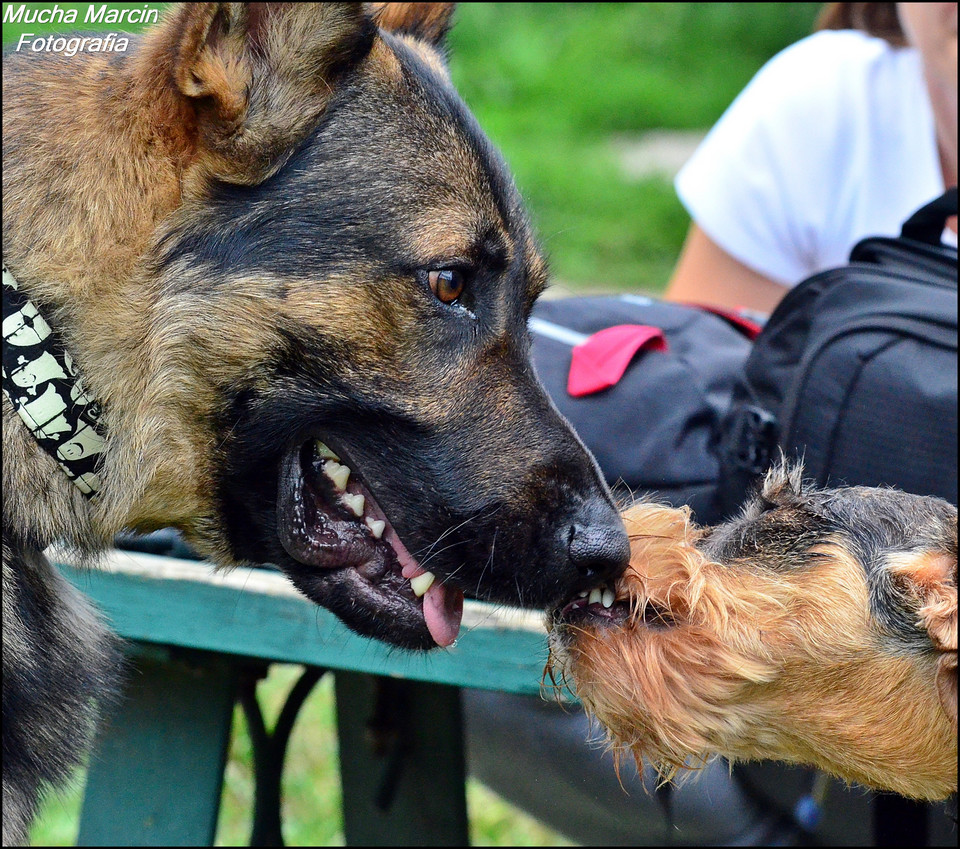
(817,627)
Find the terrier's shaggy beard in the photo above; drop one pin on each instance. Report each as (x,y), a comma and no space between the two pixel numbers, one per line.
(776,654)
(666,693)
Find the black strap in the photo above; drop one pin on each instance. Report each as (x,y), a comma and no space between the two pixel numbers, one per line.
(927,223)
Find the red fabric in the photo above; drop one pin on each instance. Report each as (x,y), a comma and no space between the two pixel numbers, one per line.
(600,362)
(746,326)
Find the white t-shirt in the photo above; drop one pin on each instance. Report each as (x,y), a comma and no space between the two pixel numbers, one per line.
(833,140)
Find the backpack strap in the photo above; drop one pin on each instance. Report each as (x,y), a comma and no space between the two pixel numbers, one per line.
(744,321)
(927,223)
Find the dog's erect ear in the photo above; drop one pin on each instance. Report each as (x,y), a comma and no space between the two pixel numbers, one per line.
(932,579)
(782,483)
(258,75)
(782,487)
(429,22)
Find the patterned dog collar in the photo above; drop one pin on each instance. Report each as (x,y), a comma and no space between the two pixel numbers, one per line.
(46,391)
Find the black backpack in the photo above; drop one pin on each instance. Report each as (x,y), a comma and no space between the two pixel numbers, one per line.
(856,371)
(653,424)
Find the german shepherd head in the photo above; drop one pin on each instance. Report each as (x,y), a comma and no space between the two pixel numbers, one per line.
(297,277)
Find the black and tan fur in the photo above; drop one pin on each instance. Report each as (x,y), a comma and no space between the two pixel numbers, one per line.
(231,228)
(817,627)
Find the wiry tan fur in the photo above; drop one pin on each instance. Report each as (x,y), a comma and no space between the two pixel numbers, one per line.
(748,662)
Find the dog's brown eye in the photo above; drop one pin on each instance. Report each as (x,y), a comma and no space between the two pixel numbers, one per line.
(446,283)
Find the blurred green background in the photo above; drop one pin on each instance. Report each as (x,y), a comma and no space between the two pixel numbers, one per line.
(594,106)
(570,90)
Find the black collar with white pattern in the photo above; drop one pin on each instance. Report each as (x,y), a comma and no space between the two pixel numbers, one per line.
(42,384)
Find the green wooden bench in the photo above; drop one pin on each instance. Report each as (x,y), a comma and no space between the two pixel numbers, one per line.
(200,640)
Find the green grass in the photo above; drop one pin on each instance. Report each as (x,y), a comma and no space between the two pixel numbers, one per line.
(552,84)
(311,789)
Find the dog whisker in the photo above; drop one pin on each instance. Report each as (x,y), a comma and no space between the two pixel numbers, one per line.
(488,562)
(754,649)
(259,406)
(426,560)
(473,518)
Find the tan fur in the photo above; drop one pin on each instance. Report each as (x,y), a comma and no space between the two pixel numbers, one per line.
(759,664)
(121,167)
(430,21)
(120,171)
(927,579)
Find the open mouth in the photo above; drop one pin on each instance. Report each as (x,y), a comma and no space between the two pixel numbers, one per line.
(328,519)
(600,607)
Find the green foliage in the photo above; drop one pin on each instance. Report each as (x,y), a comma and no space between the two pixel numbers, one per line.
(59,820)
(589,69)
(311,790)
(553,83)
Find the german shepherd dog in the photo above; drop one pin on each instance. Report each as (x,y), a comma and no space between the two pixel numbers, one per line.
(295,277)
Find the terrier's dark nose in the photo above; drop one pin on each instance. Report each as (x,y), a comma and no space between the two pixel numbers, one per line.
(598,544)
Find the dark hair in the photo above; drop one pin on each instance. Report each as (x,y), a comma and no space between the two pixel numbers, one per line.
(878,19)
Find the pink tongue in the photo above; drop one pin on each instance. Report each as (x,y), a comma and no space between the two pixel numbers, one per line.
(443,609)
(442,605)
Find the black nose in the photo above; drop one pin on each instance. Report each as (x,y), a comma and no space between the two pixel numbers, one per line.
(598,544)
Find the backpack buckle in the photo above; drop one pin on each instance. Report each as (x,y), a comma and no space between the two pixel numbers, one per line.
(752,438)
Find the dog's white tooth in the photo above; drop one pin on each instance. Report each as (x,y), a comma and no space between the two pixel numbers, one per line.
(338,473)
(422,583)
(376,527)
(354,503)
(596,596)
(607,597)
(325,452)
(584,594)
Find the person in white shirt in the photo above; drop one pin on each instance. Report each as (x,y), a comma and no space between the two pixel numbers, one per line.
(840,136)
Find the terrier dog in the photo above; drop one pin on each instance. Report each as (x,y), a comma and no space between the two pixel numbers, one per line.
(269,284)
(817,627)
